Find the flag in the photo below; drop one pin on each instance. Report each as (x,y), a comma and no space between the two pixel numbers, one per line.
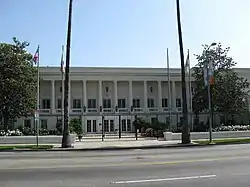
(205,75)
(36,56)
(211,73)
(62,61)
(187,65)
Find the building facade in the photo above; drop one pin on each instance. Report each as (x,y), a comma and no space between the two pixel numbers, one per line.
(118,94)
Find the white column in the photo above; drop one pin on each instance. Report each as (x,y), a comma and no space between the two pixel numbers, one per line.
(52,95)
(84,92)
(130,87)
(159,95)
(115,93)
(100,93)
(173,97)
(145,95)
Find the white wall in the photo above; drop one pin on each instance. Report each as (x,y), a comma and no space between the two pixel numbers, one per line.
(138,92)
(123,91)
(92,91)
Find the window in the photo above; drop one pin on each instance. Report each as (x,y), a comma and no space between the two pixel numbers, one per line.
(106,125)
(59,103)
(88,125)
(178,102)
(27,123)
(128,125)
(164,102)
(121,103)
(94,126)
(154,120)
(46,104)
(76,103)
(44,123)
(123,125)
(91,103)
(151,103)
(111,125)
(106,103)
(136,103)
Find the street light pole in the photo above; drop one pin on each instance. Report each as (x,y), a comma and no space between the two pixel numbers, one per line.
(185,127)
(209,72)
(66,140)
(209,105)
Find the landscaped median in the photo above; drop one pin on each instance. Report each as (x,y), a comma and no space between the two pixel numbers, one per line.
(224,141)
(25,147)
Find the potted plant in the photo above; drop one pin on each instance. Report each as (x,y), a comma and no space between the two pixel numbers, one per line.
(76,127)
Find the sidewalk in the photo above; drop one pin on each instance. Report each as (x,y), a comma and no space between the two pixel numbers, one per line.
(109,145)
(122,145)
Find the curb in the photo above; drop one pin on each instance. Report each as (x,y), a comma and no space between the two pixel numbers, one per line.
(107,148)
(121,148)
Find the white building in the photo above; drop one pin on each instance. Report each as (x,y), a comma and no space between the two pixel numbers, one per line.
(111,92)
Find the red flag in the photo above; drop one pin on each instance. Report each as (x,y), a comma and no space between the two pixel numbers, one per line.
(36,56)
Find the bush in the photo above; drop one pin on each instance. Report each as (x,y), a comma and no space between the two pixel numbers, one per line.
(76,126)
(233,128)
(15,132)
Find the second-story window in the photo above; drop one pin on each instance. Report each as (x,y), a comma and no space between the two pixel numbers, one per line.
(136,103)
(76,103)
(46,104)
(91,103)
(121,103)
(164,102)
(106,103)
(59,103)
(151,103)
(178,102)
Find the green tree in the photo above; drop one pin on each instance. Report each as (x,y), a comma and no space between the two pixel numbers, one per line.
(17,82)
(229,89)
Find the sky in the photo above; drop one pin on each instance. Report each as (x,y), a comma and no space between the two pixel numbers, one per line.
(127,33)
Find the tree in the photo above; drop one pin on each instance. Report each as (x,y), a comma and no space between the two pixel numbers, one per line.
(17,82)
(229,89)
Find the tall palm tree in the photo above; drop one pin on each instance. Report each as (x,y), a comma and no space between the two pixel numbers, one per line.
(185,126)
(66,140)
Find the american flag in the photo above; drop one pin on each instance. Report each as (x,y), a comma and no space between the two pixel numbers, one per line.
(36,56)
(62,61)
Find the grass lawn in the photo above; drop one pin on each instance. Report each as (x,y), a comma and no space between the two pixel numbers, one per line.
(9,147)
(225,141)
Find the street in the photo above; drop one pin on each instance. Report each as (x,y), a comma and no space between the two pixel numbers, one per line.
(224,166)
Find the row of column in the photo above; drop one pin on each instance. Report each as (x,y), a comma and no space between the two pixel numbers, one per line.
(171,102)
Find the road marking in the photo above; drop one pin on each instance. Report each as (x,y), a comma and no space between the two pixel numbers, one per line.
(56,165)
(166,179)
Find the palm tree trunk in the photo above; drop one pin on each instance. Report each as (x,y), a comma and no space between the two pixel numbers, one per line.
(66,141)
(185,125)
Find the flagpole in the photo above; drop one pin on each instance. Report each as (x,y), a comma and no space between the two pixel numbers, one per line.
(62,93)
(38,98)
(169,90)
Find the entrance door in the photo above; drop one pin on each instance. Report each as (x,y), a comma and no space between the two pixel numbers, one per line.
(109,125)
(91,126)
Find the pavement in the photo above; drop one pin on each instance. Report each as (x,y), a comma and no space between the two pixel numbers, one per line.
(224,166)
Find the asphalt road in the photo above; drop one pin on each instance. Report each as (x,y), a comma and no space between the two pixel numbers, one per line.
(224,166)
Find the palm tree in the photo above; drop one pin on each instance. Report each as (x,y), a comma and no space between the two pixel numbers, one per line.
(185,125)
(66,141)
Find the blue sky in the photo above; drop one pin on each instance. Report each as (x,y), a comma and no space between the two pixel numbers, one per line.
(126,32)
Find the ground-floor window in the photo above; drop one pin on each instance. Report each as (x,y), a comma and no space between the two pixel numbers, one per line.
(106,125)
(94,126)
(44,124)
(27,123)
(129,125)
(88,125)
(111,125)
